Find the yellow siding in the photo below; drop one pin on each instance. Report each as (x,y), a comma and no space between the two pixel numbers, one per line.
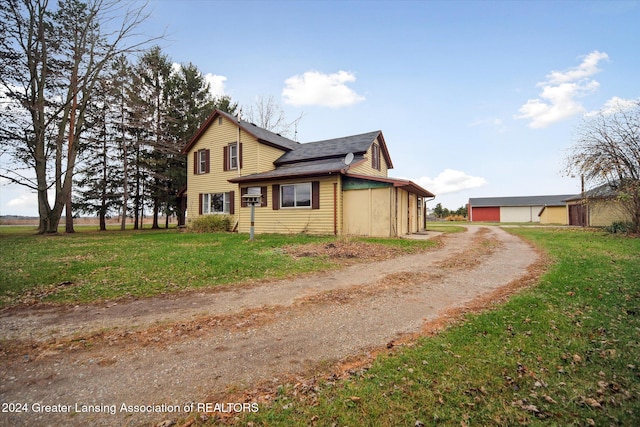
(365,167)
(603,213)
(402,208)
(256,157)
(554,215)
(294,220)
(368,212)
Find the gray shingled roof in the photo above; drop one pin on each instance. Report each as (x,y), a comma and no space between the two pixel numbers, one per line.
(329,148)
(553,200)
(310,168)
(604,191)
(264,135)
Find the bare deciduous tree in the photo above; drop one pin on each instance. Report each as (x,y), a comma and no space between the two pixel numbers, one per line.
(52,58)
(607,151)
(268,114)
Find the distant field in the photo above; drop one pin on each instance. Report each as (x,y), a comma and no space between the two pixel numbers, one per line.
(21,220)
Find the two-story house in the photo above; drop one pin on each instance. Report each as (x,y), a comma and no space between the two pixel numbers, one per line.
(337,186)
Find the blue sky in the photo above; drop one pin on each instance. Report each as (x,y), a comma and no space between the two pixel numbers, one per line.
(474,98)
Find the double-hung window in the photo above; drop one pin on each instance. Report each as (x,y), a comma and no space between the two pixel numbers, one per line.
(295,195)
(233,156)
(201,162)
(216,203)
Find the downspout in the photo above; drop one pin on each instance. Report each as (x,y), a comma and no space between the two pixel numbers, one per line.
(238,150)
(335,208)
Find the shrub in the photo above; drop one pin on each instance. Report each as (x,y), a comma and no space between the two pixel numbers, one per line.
(210,224)
(619,227)
(455,218)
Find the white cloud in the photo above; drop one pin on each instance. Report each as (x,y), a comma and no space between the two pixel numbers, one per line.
(17,200)
(557,101)
(450,181)
(614,105)
(216,82)
(315,88)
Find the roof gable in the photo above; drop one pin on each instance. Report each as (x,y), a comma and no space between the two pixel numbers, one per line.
(262,135)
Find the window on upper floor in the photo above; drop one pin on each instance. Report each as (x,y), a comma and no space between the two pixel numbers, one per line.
(375,156)
(201,162)
(232,156)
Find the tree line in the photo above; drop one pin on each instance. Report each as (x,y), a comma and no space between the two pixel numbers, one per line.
(89,104)
(441,212)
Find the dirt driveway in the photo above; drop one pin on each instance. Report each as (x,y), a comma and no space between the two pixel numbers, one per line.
(113,362)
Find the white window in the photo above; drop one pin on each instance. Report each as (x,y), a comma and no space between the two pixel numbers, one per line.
(202,161)
(216,203)
(233,156)
(295,195)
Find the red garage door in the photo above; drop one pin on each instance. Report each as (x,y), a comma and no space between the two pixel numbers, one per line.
(491,214)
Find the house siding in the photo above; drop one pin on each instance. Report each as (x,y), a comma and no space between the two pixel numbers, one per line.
(295,220)
(256,157)
(365,168)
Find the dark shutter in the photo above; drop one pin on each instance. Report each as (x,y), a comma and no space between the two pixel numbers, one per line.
(240,155)
(275,196)
(243,191)
(200,204)
(207,156)
(225,158)
(315,195)
(263,191)
(232,202)
(195,163)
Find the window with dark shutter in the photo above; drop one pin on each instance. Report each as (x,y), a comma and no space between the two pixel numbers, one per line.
(375,156)
(315,195)
(275,196)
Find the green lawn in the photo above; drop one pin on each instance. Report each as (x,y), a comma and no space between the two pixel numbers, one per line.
(89,265)
(566,352)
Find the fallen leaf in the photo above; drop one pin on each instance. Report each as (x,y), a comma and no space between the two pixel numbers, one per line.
(592,402)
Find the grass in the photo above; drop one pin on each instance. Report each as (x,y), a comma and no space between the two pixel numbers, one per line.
(90,266)
(566,352)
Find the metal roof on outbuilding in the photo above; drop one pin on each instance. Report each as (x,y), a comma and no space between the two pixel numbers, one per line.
(551,200)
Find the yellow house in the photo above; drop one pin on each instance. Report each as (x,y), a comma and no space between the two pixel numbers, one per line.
(338,186)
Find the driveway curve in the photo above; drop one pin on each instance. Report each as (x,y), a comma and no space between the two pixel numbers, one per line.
(165,353)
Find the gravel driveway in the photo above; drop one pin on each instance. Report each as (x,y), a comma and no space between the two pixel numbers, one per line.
(162,354)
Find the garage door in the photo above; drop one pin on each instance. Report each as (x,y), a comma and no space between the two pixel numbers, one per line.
(491,214)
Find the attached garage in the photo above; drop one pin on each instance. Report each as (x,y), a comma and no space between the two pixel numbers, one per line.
(382,207)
